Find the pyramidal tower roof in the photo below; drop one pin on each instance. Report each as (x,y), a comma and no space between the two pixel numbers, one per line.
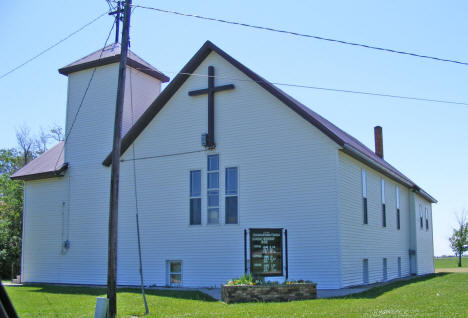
(111,54)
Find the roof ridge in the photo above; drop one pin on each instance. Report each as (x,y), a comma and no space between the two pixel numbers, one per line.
(348,143)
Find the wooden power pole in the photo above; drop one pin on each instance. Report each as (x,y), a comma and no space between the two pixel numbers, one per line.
(114,191)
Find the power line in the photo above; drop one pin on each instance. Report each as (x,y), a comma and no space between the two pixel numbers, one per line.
(53,45)
(305,35)
(336,90)
(164,156)
(67,134)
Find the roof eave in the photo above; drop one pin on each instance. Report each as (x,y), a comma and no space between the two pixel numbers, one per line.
(161,100)
(42,175)
(373,164)
(113,59)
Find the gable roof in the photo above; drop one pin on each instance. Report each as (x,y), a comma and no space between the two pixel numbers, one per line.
(48,165)
(111,54)
(349,144)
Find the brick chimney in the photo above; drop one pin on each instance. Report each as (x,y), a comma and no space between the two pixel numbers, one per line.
(378,141)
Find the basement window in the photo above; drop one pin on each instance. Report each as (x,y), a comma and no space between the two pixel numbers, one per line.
(384,270)
(399,266)
(365,271)
(174,273)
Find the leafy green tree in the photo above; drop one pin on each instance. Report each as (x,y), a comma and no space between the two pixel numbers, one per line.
(11,206)
(459,239)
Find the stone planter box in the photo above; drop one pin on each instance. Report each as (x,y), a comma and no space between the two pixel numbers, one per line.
(262,293)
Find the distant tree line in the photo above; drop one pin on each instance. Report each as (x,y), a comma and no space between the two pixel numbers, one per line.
(11,192)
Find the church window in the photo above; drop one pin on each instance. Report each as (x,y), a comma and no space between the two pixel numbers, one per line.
(232,188)
(364,196)
(213,189)
(427,218)
(420,216)
(195,197)
(384,213)
(397,207)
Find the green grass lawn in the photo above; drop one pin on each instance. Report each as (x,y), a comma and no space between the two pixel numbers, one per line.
(439,295)
(450,262)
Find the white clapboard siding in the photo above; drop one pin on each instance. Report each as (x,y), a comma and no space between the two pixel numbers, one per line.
(291,176)
(287,179)
(372,240)
(85,187)
(42,230)
(424,239)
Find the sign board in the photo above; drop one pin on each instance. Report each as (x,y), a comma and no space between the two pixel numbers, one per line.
(266,252)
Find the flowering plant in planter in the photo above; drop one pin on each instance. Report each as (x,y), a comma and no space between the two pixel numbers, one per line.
(245,279)
(300,281)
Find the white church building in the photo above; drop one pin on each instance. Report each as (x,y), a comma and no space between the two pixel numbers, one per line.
(216,159)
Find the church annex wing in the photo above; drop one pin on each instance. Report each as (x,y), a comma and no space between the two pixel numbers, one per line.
(349,144)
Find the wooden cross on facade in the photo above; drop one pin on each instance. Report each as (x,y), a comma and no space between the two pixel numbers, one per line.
(210,142)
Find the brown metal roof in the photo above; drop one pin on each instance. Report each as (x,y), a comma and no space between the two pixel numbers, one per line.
(48,165)
(111,54)
(350,145)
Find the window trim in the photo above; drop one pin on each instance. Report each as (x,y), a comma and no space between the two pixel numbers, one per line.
(382,191)
(397,198)
(365,217)
(169,273)
(384,215)
(384,209)
(208,189)
(426,210)
(226,195)
(398,219)
(399,266)
(365,274)
(195,197)
(384,269)
(421,217)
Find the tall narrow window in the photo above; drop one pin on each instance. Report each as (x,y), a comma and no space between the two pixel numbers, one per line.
(384,270)
(365,271)
(384,213)
(364,196)
(426,210)
(399,266)
(232,186)
(398,207)
(420,216)
(195,197)
(213,189)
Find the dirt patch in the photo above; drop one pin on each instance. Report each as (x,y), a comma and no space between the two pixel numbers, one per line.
(452,270)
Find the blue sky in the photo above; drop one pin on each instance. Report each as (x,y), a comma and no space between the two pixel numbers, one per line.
(426,141)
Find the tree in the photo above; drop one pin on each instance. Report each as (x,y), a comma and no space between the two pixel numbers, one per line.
(459,238)
(56,133)
(11,206)
(26,143)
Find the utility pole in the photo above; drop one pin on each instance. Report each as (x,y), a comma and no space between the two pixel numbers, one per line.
(114,191)
(118,18)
